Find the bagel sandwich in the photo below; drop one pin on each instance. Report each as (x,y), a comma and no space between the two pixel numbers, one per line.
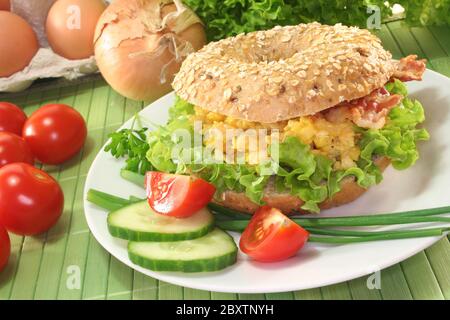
(331,99)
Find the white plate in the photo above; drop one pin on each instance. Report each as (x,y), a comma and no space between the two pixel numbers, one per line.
(425,185)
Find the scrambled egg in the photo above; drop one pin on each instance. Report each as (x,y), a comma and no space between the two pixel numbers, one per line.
(337,140)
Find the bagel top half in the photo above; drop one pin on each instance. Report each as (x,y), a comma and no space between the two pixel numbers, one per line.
(284,73)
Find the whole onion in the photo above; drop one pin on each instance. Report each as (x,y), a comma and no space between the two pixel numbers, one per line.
(140,45)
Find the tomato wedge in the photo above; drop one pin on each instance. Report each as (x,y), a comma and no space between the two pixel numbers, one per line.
(271,236)
(177,195)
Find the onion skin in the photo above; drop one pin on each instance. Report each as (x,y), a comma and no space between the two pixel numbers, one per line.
(18,43)
(126,47)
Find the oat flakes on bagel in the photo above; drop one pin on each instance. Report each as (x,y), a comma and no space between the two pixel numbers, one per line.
(286,72)
(333,97)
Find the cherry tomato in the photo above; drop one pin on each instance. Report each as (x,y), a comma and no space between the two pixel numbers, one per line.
(177,195)
(55,133)
(14,149)
(5,248)
(271,236)
(30,200)
(12,118)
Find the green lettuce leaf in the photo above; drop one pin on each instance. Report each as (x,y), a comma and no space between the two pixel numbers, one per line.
(398,138)
(163,140)
(302,173)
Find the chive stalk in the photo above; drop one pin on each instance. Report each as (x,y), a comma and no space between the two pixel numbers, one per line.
(239,225)
(375,220)
(133,177)
(237,215)
(232,214)
(358,233)
(419,233)
(106,201)
(232,220)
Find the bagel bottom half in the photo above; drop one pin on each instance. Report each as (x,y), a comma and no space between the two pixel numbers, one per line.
(288,203)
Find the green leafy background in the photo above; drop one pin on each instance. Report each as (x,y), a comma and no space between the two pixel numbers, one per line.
(225,18)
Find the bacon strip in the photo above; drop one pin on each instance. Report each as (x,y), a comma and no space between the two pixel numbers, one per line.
(368,112)
(409,68)
(372,111)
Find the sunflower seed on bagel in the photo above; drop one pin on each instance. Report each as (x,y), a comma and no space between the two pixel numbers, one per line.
(284,73)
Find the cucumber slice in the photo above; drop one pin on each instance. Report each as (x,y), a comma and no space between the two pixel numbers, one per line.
(138,222)
(213,252)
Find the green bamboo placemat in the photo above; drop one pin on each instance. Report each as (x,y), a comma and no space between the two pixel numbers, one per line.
(46,267)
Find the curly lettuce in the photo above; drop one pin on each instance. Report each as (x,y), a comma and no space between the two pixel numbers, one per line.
(426,12)
(162,140)
(300,172)
(224,18)
(398,139)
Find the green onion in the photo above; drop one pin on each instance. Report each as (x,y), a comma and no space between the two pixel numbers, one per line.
(233,220)
(367,221)
(134,199)
(232,225)
(233,214)
(358,233)
(387,236)
(239,225)
(133,177)
(422,212)
(106,201)
(352,236)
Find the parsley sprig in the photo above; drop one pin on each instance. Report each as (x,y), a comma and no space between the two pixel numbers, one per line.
(132,145)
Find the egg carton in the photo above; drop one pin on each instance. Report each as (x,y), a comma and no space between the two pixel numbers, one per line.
(46,63)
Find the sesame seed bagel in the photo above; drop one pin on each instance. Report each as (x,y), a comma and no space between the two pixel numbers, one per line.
(287,203)
(284,73)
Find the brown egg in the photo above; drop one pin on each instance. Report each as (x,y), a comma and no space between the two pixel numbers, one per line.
(18,43)
(70,27)
(5,5)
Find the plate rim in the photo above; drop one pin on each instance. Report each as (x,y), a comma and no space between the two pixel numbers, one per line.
(209,286)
